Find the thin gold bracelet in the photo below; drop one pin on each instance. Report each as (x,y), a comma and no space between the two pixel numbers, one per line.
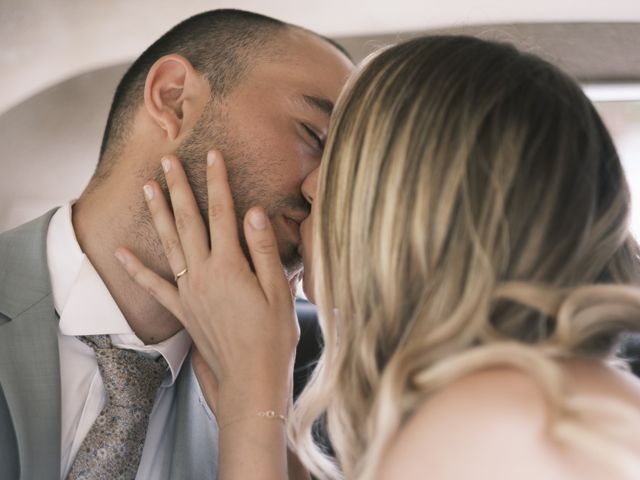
(272,415)
(267,414)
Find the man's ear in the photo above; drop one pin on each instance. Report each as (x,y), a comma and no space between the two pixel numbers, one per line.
(174,93)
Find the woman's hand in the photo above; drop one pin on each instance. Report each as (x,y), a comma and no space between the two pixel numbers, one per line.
(206,379)
(242,323)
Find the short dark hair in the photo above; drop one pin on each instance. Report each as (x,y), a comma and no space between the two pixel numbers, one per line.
(218,43)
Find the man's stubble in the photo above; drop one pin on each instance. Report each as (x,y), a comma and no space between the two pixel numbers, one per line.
(248,173)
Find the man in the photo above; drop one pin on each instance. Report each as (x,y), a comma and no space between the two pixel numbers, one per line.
(261,92)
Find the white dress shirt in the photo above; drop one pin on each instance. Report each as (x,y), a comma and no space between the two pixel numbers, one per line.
(85,307)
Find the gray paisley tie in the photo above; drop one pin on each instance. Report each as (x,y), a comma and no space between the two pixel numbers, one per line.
(113,446)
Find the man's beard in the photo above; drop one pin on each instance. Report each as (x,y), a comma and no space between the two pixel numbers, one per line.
(247,169)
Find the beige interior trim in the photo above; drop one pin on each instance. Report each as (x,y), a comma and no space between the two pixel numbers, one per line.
(592,52)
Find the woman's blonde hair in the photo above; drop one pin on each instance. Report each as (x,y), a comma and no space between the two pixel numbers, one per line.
(472,212)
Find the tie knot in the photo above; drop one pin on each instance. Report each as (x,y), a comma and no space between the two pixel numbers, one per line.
(131,379)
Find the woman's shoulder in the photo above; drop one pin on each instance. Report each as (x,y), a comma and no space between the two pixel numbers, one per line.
(493,424)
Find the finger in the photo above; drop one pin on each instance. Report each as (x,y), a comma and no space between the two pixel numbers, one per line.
(165,226)
(188,220)
(263,248)
(223,225)
(163,291)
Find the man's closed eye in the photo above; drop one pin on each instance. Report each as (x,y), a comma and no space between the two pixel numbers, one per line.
(317,141)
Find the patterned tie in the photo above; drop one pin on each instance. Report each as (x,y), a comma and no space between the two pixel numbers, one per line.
(113,446)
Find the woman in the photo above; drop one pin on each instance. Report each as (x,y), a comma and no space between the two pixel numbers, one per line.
(473,271)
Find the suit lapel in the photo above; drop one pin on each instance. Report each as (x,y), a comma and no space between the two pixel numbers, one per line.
(30,377)
(29,360)
(195,454)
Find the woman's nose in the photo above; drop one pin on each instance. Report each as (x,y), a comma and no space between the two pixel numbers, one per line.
(309,185)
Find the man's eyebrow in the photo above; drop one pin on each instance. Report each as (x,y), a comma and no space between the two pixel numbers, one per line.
(326,106)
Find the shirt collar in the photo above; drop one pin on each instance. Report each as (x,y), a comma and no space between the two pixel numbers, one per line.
(84,303)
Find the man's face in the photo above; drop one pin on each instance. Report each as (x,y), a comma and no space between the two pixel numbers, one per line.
(271,132)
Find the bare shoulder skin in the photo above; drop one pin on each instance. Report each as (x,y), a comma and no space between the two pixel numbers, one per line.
(491,425)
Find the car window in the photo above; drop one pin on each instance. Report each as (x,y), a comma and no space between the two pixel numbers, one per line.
(622,117)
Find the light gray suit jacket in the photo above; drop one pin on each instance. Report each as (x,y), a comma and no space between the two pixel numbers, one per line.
(30,374)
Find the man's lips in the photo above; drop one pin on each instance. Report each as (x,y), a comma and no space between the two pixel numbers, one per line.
(296,217)
(292,220)
(294,228)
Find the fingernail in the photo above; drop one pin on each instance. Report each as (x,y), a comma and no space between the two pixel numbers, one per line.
(148,192)
(166,164)
(211,158)
(258,220)
(121,258)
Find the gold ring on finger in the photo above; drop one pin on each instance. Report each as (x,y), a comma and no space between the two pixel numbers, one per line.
(181,273)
